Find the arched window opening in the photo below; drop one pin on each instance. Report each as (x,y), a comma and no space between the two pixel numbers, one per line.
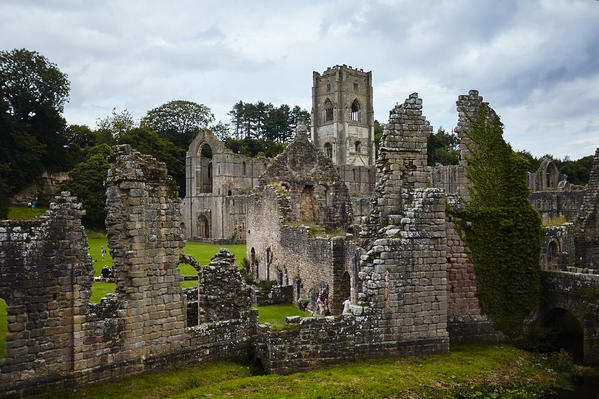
(253,264)
(353,171)
(328,150)
(356,86)
(3,327)
(203,227)
(328,110)
(355,110)
(357,146)
(204,176)
(243,169)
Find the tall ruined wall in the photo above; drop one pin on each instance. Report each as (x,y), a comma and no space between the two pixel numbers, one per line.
(553,204)
(45,279)
(402,306)
(587,223)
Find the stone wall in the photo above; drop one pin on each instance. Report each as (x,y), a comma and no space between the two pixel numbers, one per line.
(558,250)
(43,188)
(308,263)
(553,204)
(57,338)
(279,294)
(587,222)
(306,344)
(45,279)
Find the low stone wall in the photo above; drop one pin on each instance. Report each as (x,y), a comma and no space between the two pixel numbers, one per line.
(480,329)
(279,294)
(306,343)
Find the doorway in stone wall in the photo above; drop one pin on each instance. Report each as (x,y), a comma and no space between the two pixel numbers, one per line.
(344,291)
(203,227)
(307,204)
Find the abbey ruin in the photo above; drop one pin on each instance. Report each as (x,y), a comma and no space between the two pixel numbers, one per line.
(326,212)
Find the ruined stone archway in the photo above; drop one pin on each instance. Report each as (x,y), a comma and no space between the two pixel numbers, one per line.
(553,260)
(204,172)
(564,332)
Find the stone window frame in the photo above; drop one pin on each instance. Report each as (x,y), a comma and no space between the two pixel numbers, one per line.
(357,146)
(329,110)
(355,111)
(328,150)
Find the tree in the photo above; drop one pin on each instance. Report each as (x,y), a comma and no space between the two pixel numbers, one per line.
(221,130)
(87,183)
(29,81)
(442,147)
(116,123)
(148,142)
(501,228)
(178,121)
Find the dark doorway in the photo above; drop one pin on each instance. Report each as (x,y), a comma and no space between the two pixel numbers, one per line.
(564,331)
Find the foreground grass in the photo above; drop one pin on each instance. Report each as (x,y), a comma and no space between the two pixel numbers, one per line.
(200,251)
(21,212)
(3,327)
(474,371)
(276,314)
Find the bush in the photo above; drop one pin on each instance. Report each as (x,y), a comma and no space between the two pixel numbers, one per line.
(266,286)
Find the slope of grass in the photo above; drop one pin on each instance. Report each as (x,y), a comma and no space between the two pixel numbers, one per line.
(474,371)
(276,314)
(20,212)
(3,327)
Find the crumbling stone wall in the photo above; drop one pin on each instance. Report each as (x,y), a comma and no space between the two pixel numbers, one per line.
(222,295)
(587,223)
(306,343)
(558,250)
(45,279)
(316,192)
(56,337)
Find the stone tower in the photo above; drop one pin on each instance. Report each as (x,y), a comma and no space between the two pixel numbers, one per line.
(342,115)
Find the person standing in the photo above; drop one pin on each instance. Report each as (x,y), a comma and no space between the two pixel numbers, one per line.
(103,252)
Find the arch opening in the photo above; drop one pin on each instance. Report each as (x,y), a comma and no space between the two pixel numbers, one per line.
(344,291)
(563,331)
(357,146)
(307,205)
(553,256)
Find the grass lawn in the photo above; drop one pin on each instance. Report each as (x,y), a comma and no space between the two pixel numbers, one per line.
(473,371)
(21,212)
(3,327)
(201,251)
(276,314)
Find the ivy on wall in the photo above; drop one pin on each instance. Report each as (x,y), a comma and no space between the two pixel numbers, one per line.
(501,228)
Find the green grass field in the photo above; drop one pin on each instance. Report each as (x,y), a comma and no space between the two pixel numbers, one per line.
(20,212)
(473,371)
(200,251)
(276,314)
(3,327)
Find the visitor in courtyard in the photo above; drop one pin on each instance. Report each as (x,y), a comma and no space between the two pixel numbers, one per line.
(322,303)
(103,252)
(346,305)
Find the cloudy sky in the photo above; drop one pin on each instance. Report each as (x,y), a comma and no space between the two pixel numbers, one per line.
(536,62)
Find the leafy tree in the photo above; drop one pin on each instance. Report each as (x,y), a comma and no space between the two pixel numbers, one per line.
(148,142)
(29,81)
(221,130)
(254,147)
(178,121)
(442,147)
(501,229)
(533,162)
(80,135)
(116,123)
(578,171)
(87,183)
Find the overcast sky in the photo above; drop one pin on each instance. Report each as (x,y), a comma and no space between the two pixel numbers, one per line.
(535,62)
